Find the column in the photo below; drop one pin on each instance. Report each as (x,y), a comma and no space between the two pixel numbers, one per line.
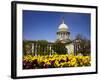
(59,36)
(75,48)
(32,48)
(65,35)
(50,49)
(36,49)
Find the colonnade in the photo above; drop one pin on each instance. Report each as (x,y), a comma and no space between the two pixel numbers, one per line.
(35,48)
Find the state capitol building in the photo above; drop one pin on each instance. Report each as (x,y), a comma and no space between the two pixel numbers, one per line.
(63,36)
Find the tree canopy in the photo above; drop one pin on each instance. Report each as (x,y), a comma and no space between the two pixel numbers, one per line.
(59,48)
(85,46)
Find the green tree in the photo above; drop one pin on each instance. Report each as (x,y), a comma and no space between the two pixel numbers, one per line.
(84,44)
(59,48)
(27,47)
(42,48)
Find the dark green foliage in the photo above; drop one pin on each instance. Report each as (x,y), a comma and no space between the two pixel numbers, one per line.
(41,47)
(59,48)
(27,47)
(85,46)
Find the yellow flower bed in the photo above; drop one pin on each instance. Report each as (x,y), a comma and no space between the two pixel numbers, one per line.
(55,61)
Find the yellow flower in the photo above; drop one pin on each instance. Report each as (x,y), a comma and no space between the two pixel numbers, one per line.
(60,60)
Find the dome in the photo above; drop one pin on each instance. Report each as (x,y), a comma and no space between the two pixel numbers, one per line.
(63,26)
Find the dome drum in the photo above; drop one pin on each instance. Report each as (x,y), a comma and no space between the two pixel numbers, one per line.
(63,32)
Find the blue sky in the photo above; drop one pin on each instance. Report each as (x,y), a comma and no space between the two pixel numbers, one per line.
(43,25)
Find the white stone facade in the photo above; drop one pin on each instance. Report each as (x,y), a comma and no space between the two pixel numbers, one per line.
(70,48)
